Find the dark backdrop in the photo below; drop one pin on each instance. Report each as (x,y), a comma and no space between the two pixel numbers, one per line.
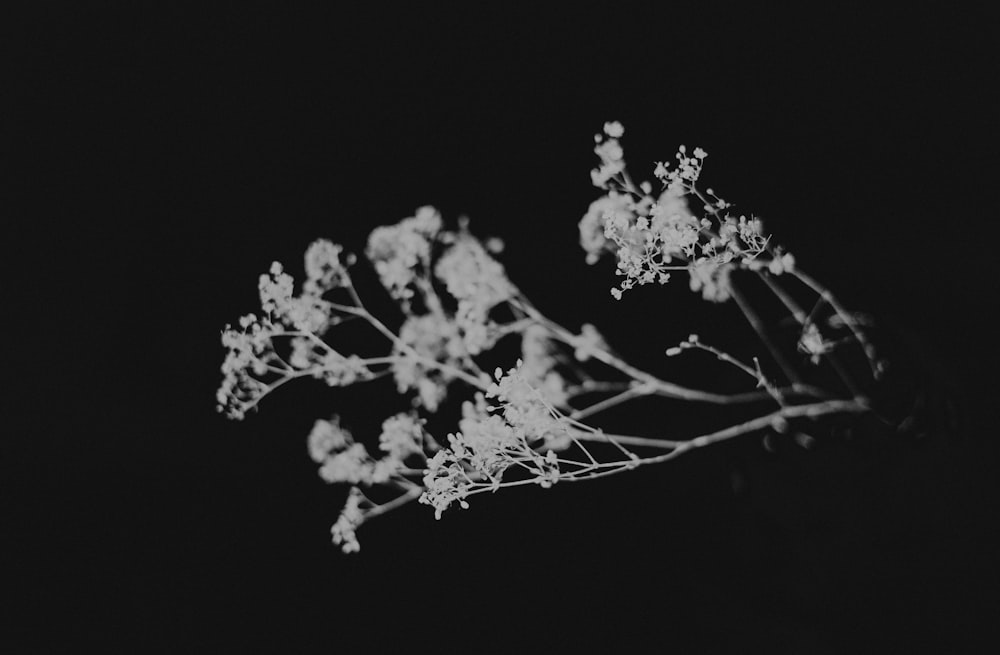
(157,161)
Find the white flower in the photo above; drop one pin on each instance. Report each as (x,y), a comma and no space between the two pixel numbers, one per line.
(275,290)
(343,531)
(614,129)
(397,250)
(592,225)
(402,435)
(327,437)
(539,365)
(307,312)
(248,348)
(433,337)
(523,406)
(475,279)
(612,162)
(384,469)
(486,442)
(687,171)
(781,264)
(352,465)
(340,371)
(445,481)
(324,270)
(812,342)
(589,342)
(711,278)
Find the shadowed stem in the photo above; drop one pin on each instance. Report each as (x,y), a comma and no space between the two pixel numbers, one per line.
(754,319)
(656,385)
(802,318)
(845,316)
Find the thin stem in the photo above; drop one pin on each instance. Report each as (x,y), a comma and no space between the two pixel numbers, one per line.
(608,403)
(661,387)
(411,494)
(596,386)
(793,307)
(811,411)
(430,363)
(268,388)
(648,442)
(802,318)
(759,328)
(824,293)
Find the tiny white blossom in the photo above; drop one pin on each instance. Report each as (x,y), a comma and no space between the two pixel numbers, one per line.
(434,337)
(352,465)
(327,437)
(711,279)
(589,342)
(592,225)
(478,282)
(614,129)
(343,531)
(324,270)
(540,367)
(398,250)
(402,435)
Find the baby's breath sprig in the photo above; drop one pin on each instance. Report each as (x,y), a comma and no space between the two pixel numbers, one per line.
(532,424)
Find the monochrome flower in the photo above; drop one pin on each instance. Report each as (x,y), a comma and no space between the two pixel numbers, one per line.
(478,282)
(327,437)
(343,531)
(402,436)
(324,269)
(398,250)
(352,464)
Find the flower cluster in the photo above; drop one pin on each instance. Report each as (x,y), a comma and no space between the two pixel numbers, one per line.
(251,358)
(478,282)
(493,439)
(540,366)
(401,253)
(525,426)
(343,460)
(343,531)
(246,360)
(423,340)
(524,408)
(651,236)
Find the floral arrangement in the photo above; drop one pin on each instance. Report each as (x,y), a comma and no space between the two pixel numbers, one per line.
(531,424)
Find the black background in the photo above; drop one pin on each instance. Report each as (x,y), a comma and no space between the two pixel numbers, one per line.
(158,159)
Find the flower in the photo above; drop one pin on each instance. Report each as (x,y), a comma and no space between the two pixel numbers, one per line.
(327,437)
(524,408)
(539,365)
(248,350)
(432,337)
(343,531)
(402,435)
(478,282)
(711,278)
(614,129)
(306,312)
(352,465)
(589,342)
(445,481)
(324,270)
(781,264)
(592,225)
(397,250)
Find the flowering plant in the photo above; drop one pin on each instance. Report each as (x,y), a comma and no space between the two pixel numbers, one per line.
(528,424)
